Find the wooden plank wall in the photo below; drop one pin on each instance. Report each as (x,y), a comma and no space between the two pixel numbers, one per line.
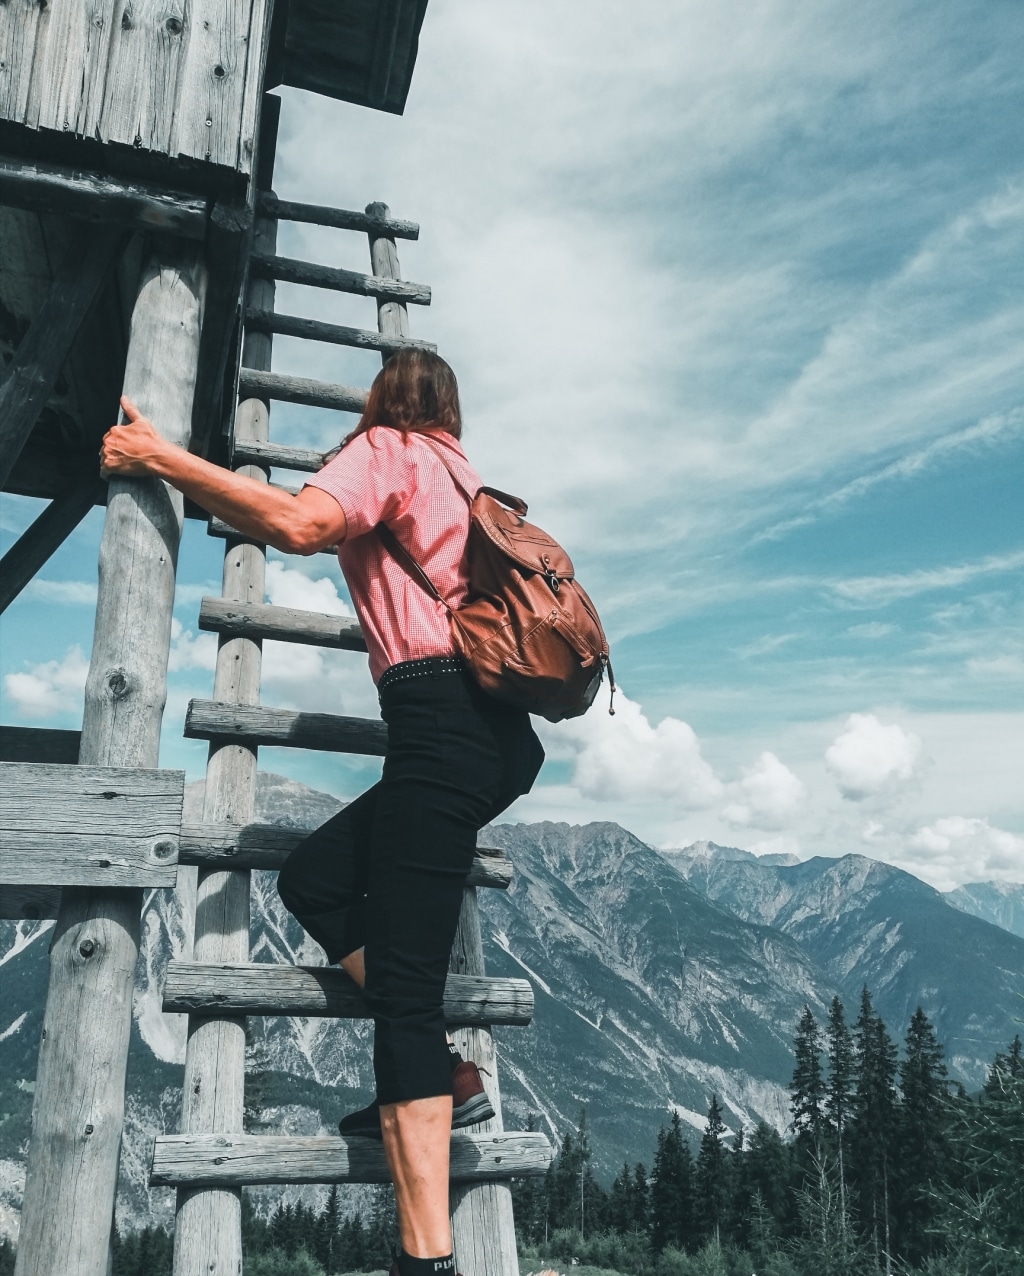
(179,77)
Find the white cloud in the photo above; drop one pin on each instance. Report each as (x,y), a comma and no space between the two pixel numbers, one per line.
(877,590)
(868,758)
(289,587)
(75,592)
(956,849)
(51,687)
(191,651)
(769,795)
(627,759)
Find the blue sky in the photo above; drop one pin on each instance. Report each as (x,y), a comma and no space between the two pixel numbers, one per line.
(735,294)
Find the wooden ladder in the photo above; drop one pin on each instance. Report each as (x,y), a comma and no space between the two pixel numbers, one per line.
(212,1159)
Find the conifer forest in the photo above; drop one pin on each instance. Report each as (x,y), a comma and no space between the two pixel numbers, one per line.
(887,1167)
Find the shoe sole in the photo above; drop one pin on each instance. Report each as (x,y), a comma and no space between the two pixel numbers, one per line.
(477,1108)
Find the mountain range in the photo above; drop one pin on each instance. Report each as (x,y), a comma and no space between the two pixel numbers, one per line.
(660,977)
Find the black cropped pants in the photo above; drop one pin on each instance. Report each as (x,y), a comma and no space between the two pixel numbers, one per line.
(388,871)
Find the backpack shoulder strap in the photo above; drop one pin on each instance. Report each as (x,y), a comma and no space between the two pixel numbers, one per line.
(513,502)
(398,551)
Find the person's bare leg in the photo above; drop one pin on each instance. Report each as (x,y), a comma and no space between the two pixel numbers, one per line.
(416,1134)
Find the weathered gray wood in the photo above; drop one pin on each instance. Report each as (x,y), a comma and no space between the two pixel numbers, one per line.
(258,724)
(44,348)
(483,1226)
(306,460)
(89,826)
(392,315)
(78,1110)
(267,846)
(208,111)
(70,66)
(340,218)
(148,47)
(335,333)
(95,197)
(19,26)
(208,1223)
(288,389)
(256,120)
(29,903)
(39,541)
(248,1159)
(39,744)
(259,988)
(288,270)
(285,624)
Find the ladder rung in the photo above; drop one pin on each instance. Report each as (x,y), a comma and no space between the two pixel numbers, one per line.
(217,527)
(339,218)
(307,460)
(288,270)
(258,724)
(337,334)
(286,389)
(247,1160)
(267,846)
(283,624)
(261,988)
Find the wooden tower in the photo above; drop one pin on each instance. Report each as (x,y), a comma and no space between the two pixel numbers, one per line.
(138,254)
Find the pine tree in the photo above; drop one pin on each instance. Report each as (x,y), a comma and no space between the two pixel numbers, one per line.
(764,1177)
(711,1184)
(672,1189)
(807,1088)
(921,1150)
(871,1131)
(839,1089)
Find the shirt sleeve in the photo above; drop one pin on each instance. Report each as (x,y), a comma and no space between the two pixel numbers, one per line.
(369,478)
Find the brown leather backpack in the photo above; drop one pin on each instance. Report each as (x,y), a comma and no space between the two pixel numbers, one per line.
(527,630)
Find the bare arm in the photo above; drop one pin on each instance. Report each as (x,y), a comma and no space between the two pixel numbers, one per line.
(300,524)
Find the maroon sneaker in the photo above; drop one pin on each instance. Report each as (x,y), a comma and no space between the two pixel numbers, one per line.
(470,1103)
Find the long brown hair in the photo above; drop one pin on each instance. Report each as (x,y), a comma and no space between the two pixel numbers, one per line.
(415,391)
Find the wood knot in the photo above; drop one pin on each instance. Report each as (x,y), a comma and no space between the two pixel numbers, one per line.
(163,850)
(118,684)
(89,1129)
(87,947)
(174,25)
(219,72)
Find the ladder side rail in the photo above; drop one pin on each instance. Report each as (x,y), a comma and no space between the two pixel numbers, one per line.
(208,1223)
(78,1108)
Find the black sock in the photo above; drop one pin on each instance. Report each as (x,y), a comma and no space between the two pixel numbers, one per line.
(409,1266)
(454,1058)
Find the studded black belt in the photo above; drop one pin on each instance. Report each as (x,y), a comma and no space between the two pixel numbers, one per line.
(427,667)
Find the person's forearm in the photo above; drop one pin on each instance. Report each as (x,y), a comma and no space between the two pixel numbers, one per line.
(255,509)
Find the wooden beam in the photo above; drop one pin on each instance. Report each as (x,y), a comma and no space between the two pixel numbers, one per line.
(284,624)
(78,1107)
(340,218)
(392,313)
(335,333)
(288,389)
(256,724)
(247,1160)
(93,197)
(267,846)
(39,744)
(290,271)
(89,826)
(306,460)
(262,988)
(483,1227)
(37,543)
(44,349)
(29,903)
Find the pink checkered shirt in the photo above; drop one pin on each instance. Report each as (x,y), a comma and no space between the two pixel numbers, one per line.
(381,477)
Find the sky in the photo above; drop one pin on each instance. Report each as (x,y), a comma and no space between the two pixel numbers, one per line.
(735,295)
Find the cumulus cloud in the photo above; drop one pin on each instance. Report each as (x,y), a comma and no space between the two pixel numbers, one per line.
(957,849)
(191,651)
(769,795)
(869,758)
(288,587)
(51,687)
(627,758)
(74,592)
